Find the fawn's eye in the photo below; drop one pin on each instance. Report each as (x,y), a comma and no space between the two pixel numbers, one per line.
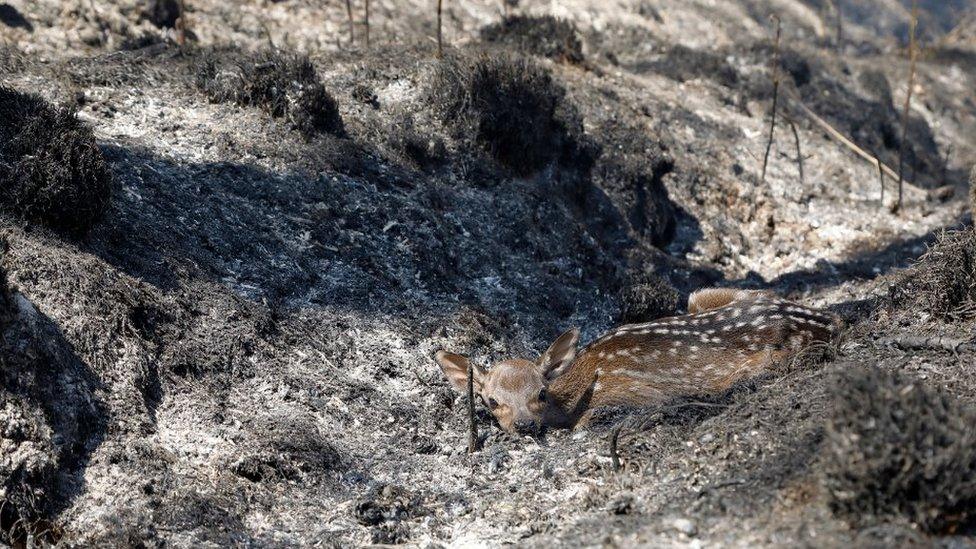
(492,403)
(542,395)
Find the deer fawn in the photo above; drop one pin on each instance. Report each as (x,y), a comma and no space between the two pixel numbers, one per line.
(728,335)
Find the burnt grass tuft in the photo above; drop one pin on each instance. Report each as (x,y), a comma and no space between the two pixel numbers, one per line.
(943,282)
(649,298)
(510,106)
(51,170)
(681,63)
(284,85)
(545,36)
(895,448)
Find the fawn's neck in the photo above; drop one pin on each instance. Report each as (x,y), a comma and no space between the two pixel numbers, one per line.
(570,394)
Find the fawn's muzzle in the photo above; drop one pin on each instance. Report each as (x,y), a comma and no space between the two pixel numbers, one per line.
(526,427)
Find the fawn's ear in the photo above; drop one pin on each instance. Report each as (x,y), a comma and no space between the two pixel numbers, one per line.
(560,354)
(455,368)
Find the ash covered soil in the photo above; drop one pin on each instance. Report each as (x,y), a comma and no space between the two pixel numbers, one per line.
(231,248)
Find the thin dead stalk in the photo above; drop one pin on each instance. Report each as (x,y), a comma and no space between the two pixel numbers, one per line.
(796,140)
(945,164)
(840,26)
(366,23)
(440,42)
(877,161)
(913,57)
(352,32)
(772,122)
(472,422)
(614,456)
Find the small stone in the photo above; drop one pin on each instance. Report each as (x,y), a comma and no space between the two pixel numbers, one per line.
(685,526)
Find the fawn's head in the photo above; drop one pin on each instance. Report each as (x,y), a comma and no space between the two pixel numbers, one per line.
(515,390)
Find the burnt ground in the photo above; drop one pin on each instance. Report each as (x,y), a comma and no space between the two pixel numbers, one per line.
(239,351)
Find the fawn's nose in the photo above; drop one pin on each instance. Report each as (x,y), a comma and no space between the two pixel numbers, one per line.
(525,427)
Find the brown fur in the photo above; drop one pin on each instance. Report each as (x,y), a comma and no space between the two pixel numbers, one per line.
(731,335)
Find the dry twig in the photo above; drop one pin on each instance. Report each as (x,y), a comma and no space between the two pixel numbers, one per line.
(796,139)
(366,23)
(352,37)
(472,424)
(614,457)
(877,160)
(772,122)
(913,57)
(440,43)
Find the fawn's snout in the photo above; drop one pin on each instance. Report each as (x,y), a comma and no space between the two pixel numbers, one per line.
(526,427)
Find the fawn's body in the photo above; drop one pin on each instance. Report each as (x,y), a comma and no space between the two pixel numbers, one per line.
(728,335)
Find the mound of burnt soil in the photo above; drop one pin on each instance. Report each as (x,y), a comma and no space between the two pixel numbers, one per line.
(284,85)
(545,36)
(510,106)
(51,170)
(943,282)
(896,448)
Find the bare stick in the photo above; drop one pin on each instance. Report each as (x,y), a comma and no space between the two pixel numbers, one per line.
(840,26)
(440,43)
(366,22)
(799,153)
(352,37)
(945,164)
(912,55)
(877,160)
(614,457)
(472,424)
(772,122)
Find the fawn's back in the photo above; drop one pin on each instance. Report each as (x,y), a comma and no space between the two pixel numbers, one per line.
(701,352)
